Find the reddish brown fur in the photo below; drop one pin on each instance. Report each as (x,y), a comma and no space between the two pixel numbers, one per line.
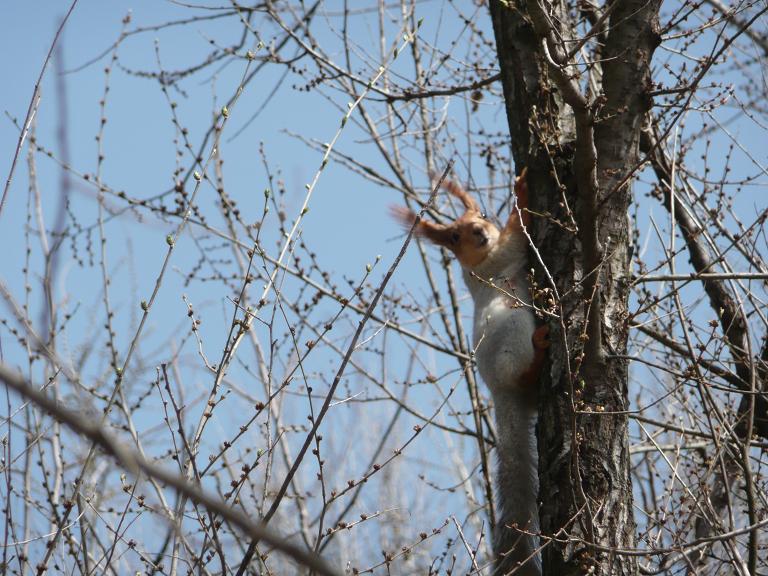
(459,192)
(483,248)
(470,237)
(521,208)
(529,380)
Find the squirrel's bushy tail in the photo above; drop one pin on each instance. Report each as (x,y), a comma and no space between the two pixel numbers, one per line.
(517,487)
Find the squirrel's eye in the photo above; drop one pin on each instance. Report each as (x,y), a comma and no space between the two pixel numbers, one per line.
(483,216)
(455,237)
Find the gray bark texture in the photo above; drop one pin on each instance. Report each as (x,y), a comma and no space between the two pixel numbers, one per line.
(579,138)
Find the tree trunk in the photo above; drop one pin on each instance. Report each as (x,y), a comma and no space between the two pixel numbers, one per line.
(581,151)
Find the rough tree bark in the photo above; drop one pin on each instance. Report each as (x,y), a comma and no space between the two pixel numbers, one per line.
(579,138)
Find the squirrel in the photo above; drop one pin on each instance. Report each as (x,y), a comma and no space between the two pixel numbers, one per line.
(509,353)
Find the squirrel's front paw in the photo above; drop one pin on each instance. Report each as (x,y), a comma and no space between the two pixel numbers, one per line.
(541,337)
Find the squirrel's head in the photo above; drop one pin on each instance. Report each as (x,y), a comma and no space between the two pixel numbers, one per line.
(470,237)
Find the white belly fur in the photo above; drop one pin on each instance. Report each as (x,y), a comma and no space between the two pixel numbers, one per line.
(502,332)
(502,340)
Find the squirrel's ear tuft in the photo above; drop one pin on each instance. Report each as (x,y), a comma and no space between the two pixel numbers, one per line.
(403,215)
(437,233)
(458,191)
(521,189)
(519,217)
(521,198)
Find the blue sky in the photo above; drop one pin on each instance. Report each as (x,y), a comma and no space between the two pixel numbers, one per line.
(347,226)
(348,221)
